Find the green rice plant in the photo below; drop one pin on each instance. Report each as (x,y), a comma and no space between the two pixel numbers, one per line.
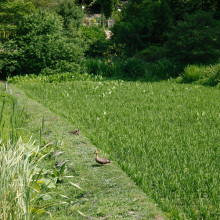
(165,136)
(19,182)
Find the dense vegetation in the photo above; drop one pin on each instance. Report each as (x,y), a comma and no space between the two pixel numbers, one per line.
(164,135)
(49,37)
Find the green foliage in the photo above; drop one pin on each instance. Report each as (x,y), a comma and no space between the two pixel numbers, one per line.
(196,39)
(95,39)
(206,75)
(45,4)
(98,45)
(11,11)
(163,69)
(12,119)
(103,67)
(91,34)
(72,15)
(157,133)
(133,68)
(142,23)
(152,53)
(180,7)
(185,31)
(20,184)
(39,44)
(108,6)
(53,78)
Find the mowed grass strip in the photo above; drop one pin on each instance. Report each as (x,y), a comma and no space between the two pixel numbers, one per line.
(164,135)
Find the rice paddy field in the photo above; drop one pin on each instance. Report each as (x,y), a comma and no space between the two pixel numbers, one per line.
(164,135)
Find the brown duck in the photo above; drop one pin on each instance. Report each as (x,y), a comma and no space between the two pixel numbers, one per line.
(76,132)
(100,160)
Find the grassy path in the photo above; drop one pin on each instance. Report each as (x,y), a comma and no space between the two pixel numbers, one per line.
(106,191)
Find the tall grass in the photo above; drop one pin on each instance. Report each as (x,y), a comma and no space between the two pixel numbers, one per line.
(205,75)
(20,165)
(12,119)
(164,135)
(19,180)
(133,68)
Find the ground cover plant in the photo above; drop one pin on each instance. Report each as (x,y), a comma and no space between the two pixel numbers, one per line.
(164,135)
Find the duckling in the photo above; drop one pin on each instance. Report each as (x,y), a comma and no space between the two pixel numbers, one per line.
(100,160)
(76,132)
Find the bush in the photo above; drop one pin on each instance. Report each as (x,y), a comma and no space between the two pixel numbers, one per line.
(152,53)
(40,44)
(205,75)
(133,68)
(92,33)
(95,39)
(196,39)
(103,67)
(141,24)
(72,15)
(165,68)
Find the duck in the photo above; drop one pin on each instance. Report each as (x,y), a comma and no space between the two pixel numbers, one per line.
(76,132)
(100,160)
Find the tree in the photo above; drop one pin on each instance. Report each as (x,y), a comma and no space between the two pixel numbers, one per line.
(195,39)
(11,12)
(40,44)
(71,13)
(180,7)
(45,4)
(142,23)
(108,6)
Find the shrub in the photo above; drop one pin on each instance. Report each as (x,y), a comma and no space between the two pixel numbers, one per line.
(133,68)
(141,24)
(96,41)
(72,15)
(206,75)
(164,68)
(152,53)
(103,67)
(40,44)
(196,39)
(92,33)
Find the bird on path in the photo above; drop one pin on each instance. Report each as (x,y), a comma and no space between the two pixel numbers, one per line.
(76,132)
(100,160)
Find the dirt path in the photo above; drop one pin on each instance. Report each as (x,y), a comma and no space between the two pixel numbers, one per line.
(106,191)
